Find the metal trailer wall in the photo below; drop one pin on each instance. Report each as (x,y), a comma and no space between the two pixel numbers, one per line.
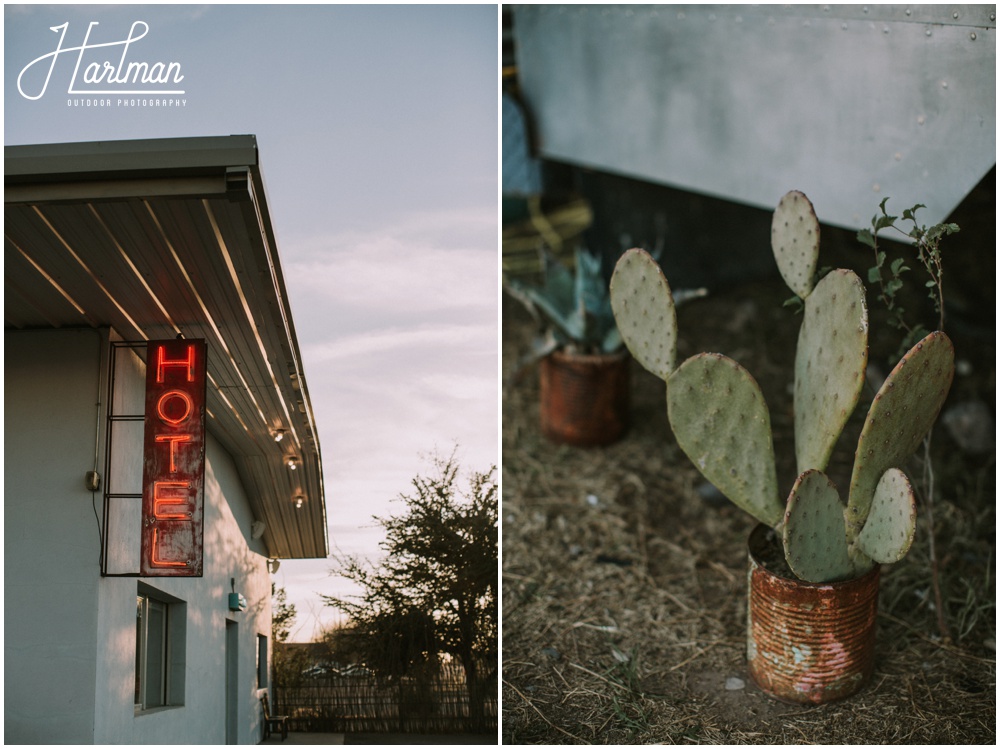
(847,103)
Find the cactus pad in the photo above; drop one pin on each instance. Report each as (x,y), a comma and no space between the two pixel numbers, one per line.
(902,413)
(721,422)
(829,365)
(813,534)
(889,530)
(795,241)
(644,311)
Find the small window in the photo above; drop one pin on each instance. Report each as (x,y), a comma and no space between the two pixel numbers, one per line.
(262,661)
(159,650)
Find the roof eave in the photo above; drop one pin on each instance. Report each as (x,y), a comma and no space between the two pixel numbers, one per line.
(199,168)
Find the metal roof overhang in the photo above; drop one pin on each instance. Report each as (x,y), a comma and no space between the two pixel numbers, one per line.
(154,238)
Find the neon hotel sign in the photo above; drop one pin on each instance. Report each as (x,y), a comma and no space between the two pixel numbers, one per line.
(173,477)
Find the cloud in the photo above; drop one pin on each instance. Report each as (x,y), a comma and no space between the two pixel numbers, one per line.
(399,342)
(462,387)
(384,273)
(399,332)
(366,291)
(449,228)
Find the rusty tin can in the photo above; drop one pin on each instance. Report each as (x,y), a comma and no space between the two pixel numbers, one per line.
(808,642)
(584,398)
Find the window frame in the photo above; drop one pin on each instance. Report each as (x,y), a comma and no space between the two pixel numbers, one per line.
(262,655)
(169,643)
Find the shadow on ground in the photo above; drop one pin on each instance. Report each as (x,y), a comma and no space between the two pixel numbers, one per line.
(327,739)
(398,738)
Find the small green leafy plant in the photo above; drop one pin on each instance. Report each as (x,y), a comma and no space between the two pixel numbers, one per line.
(719,417)
(927,242)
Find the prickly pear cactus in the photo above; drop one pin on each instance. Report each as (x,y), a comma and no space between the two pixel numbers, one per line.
(888,532)
(720,419)
(903,412)
(644,311)
(830,364)
(721,422)
(795,241)
(813,534)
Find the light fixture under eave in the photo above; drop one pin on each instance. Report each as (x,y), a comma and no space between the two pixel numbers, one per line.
(272,565)
(257,529)
(279,434)
(292,463)
(299,501)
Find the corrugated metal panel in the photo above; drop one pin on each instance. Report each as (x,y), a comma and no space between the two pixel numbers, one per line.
(32,298)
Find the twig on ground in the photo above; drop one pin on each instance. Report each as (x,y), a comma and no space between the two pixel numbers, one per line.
(542,716)
(935,571)
(602,678)
(935,643)
(722,570)
(696,655)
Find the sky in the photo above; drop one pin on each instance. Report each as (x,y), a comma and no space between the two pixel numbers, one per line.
(377,130)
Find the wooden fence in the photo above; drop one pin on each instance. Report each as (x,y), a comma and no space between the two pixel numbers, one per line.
(363,704)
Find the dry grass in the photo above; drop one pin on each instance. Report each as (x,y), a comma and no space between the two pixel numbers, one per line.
(624,600)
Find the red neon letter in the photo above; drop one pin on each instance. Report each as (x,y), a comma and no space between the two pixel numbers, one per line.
(162,562)
(161,410)
(188,362)
(160,497)
(173,439)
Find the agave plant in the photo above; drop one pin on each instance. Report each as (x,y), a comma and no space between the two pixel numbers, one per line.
(721,421)
(576,307)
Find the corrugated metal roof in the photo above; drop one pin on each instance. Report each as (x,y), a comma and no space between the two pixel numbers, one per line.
(165,237)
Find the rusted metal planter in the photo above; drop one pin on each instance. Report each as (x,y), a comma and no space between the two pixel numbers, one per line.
(584,397)
(808,642)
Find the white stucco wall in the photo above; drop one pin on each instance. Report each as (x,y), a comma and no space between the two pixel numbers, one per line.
(51,541)
(69,633)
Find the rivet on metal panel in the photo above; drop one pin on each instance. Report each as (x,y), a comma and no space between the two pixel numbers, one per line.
(680,15)
(711,16)
(927,32)
(864,9)
(921,120)
(993,16)
(876,187)
(844,26)
(907,11)
(898,156)
(955,15)
(885,29)
(944,84)
(972,36)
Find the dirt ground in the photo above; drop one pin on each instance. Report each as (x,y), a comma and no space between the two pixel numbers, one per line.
(624,578)
(381,739)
